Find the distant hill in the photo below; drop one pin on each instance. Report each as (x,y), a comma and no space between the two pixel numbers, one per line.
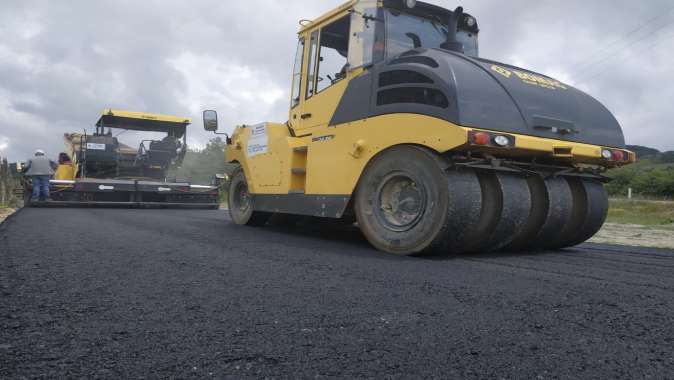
(643,151)
(646,153)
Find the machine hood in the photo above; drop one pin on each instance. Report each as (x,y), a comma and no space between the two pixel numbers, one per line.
(503,97)
(479,93)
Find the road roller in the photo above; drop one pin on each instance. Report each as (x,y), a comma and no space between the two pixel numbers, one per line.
(397,124)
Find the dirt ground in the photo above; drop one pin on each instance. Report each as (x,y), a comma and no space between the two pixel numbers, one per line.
(636,235)
(5,212)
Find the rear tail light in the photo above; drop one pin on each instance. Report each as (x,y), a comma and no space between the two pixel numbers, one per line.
(490,139)
(614,155)
(618,155)
(481,138)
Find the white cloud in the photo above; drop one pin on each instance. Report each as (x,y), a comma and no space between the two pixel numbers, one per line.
(57,74)
(236,90)
(4,143)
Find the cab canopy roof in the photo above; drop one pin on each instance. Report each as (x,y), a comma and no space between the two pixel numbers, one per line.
(139,121)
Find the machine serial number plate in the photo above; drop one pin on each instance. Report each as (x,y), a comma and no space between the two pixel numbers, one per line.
(93,146)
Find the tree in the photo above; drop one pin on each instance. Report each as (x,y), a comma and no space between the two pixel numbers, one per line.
(201,166)
(9,182)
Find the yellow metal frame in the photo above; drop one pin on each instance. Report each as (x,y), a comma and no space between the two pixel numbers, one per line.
(326,17)
(331,159)
(144,116)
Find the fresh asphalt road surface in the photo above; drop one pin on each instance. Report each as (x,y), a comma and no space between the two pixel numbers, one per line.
(98,293)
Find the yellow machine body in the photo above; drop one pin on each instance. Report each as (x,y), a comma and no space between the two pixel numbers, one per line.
(396,122)
(309,156)
(330,160)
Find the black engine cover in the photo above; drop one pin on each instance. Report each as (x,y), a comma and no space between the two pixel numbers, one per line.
(478,93)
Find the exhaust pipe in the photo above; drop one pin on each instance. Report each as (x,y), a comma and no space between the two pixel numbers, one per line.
(452,43)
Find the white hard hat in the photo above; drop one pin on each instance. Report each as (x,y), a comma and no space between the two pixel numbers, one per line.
(39,152)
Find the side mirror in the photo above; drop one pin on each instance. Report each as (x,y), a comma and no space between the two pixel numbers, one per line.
(211,121)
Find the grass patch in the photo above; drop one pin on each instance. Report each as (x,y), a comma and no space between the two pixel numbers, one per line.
(647,213)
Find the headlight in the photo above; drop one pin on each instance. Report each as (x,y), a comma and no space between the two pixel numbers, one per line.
(501,141)
(411,3)
(606,154)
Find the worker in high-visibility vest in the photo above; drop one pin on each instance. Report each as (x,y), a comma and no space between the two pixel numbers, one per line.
(40,169)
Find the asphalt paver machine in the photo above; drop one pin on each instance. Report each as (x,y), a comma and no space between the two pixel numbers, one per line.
(99,170)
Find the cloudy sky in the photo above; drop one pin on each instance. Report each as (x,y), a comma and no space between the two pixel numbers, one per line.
(62,62)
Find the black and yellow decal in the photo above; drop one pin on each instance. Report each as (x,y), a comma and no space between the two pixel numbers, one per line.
(529,78)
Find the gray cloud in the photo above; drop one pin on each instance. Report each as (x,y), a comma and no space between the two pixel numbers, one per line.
(61,63)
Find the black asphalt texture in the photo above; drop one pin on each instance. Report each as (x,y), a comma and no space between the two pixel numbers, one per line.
(95,293)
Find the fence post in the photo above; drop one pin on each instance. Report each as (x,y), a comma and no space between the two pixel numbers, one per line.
(4,181)
(629,193)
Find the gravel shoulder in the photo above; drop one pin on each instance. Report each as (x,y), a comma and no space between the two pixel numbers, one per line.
(5,212)
(636,235)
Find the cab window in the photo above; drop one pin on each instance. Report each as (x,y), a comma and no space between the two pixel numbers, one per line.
(297,74)
(312,64)
(333,53)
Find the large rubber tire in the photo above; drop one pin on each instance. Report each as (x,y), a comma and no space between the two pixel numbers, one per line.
(241,203)
(551,211)
(590,208)
(506,204)
(407,203)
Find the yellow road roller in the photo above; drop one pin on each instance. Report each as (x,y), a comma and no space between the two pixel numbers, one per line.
(396,122)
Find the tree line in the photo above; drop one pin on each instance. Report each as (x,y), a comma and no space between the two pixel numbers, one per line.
(201,165)
(651,176)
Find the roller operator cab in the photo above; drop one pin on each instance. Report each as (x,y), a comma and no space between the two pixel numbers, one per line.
(395,121)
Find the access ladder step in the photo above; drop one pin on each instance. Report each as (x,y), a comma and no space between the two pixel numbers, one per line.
(300,149)
(299,171)
(296,192)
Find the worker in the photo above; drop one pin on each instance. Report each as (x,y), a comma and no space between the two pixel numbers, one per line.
(40,169)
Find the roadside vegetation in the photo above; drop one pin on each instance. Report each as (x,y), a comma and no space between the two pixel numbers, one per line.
(9,181)
(652,177)
(642,212)
(201,166)
(651,180)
